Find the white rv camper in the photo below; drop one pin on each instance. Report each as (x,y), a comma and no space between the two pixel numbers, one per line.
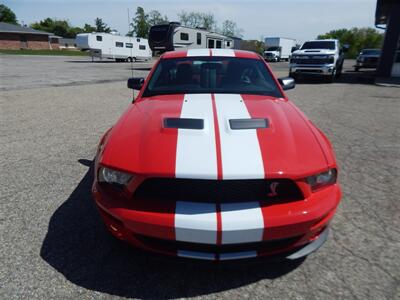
(113,46)
(173,36)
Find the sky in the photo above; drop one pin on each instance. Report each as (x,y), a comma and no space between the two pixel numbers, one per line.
(299,19)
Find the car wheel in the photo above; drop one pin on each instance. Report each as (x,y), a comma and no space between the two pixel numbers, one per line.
(356,69)
(129,59)
(293,75)
(339,72)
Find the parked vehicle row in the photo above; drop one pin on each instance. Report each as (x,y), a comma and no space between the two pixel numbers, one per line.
(322,58)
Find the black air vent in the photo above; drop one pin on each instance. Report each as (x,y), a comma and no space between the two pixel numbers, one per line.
(237,124)
(183,123)
(222,191)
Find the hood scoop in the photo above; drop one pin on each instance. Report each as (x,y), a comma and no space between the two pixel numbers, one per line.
(184,123)
(238,124)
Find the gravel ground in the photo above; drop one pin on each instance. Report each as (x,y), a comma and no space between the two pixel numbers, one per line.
(53,244)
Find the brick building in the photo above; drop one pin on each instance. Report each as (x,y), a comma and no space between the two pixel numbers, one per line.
(20,37)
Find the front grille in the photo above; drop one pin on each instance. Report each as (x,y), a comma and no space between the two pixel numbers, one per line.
(370,59)
(173,245)
(312,61)
(218,191)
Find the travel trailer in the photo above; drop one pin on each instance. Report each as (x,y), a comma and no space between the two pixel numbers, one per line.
(173,36)
(113,46)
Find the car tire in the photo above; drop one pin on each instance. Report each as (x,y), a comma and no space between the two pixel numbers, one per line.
(356,69)
(339,72)
(129,59)
(293,75)
(332,76)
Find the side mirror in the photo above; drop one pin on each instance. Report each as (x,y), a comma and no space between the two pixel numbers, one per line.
(135,83)
(287,83)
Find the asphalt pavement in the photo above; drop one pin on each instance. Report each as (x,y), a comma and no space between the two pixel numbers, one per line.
(53,244)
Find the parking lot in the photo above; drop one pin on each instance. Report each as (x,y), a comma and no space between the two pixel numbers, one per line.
(53,244)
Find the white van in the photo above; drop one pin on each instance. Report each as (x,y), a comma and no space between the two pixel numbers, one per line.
(113,46)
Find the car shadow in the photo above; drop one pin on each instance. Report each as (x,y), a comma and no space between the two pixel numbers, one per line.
(349,77)
(78,246)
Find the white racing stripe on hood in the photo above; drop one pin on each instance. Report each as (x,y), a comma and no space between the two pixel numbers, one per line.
(196,155)
(240,149)
(222,52)
(198,52)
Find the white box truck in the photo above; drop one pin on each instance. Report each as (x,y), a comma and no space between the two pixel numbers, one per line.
(278,48)
(114,46)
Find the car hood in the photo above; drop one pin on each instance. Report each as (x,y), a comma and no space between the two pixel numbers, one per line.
(314,51)
(141,141)
(369,55)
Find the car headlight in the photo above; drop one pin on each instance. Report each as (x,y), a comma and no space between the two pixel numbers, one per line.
(322,179)
(111,176)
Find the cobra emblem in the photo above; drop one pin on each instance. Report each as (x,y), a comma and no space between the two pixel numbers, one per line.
(272,187)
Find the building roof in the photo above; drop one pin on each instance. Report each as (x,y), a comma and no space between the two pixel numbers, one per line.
(383,10)
(11,28)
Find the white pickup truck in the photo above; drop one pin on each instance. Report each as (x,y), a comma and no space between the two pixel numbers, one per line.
(318,57)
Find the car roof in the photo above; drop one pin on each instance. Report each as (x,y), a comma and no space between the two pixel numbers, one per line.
(210,52)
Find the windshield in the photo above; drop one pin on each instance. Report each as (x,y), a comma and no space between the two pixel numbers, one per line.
(196,75)
(371,52)
(319,45)
(158,33)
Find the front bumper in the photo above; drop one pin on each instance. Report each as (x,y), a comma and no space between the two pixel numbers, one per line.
(270,58)
(366,64)
(290,230)
(325,69)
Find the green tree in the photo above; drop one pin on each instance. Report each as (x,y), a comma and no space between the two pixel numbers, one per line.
(7,15)
(88,28)
(198,19)
(229,28)
(59,27)
(140,23)
(156,18)
(101,26)
(356,38)
(253,45)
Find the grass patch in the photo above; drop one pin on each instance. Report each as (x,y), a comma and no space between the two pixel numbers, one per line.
(44,52)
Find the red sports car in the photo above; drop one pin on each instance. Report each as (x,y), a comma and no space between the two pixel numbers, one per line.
(212,161)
